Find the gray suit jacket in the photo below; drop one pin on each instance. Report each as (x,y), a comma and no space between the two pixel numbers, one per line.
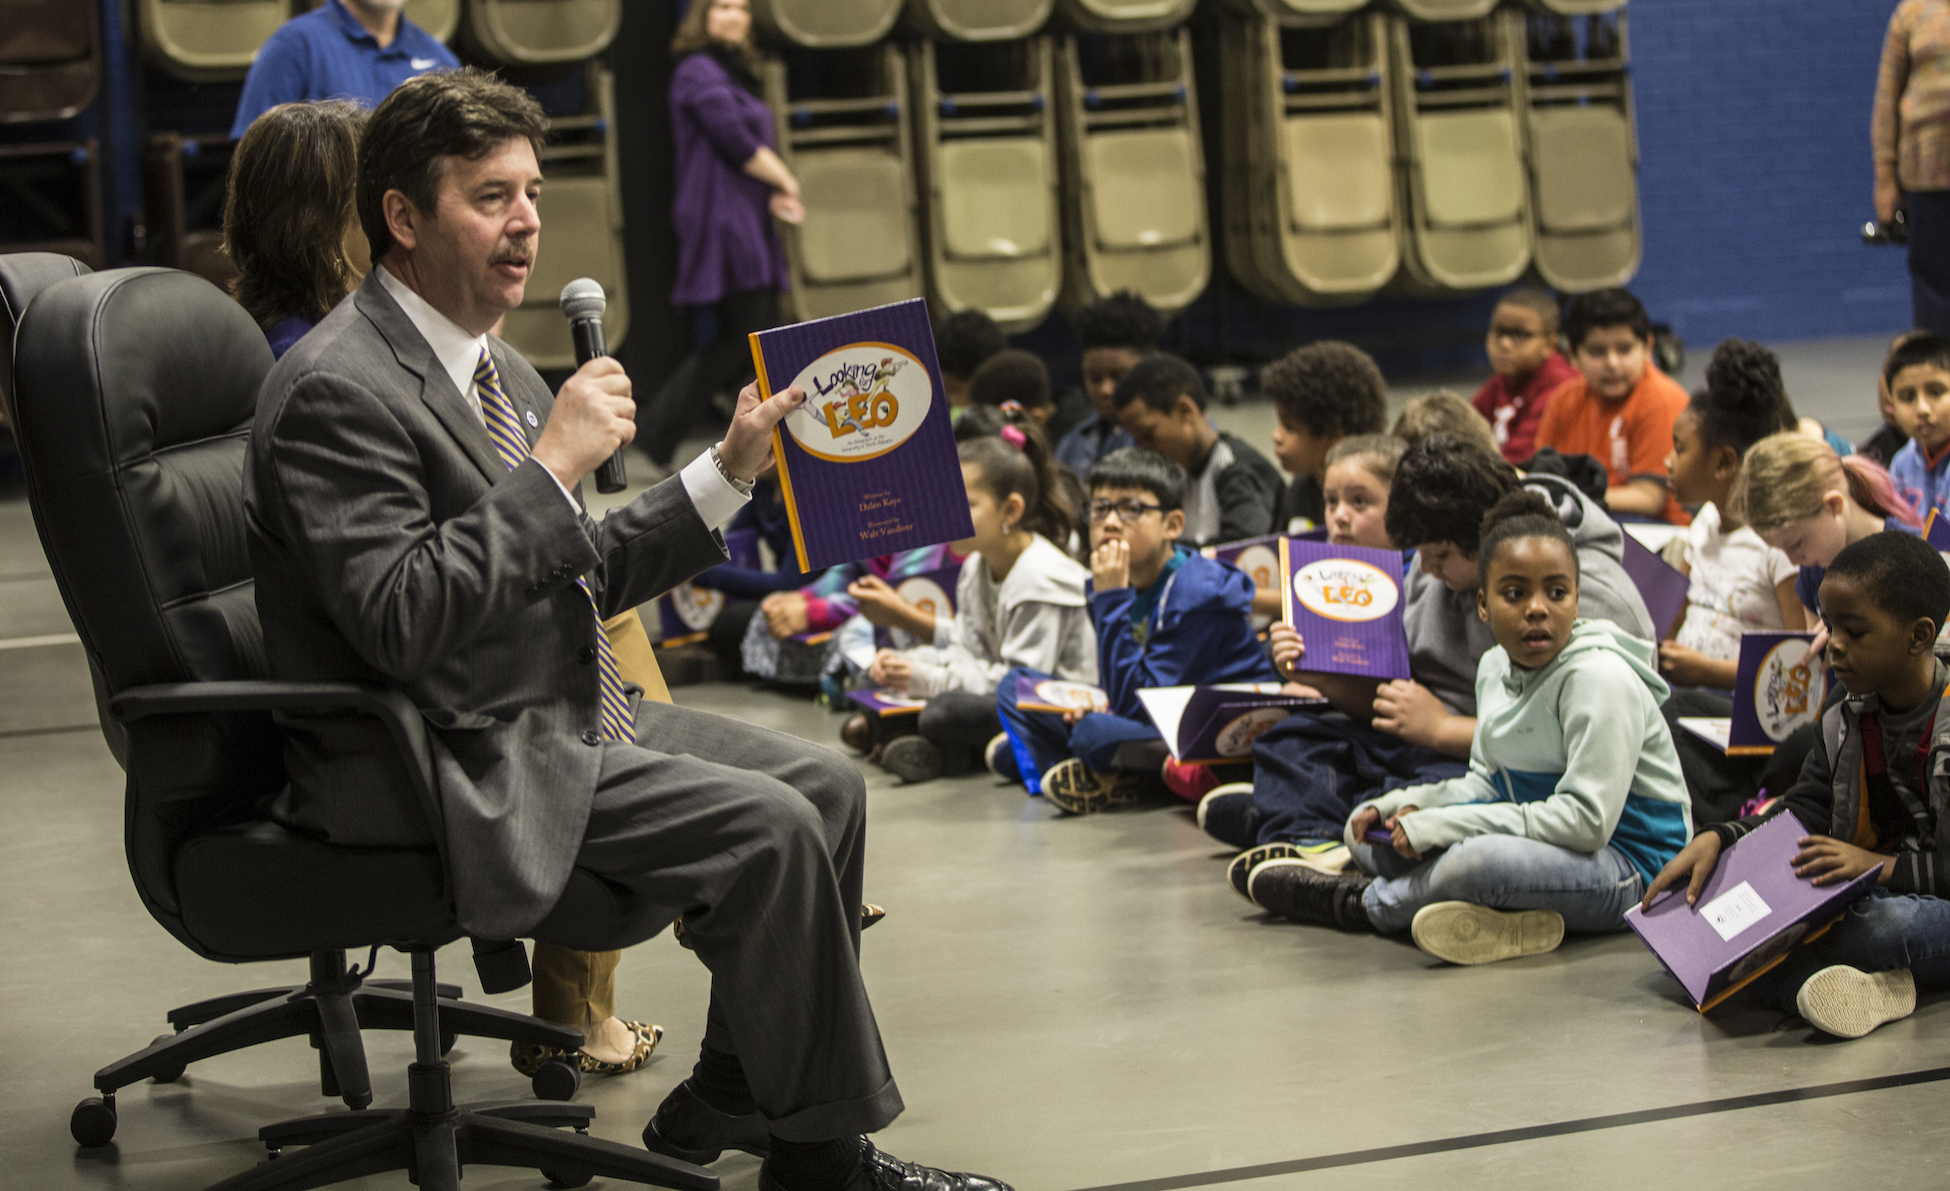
(392,546)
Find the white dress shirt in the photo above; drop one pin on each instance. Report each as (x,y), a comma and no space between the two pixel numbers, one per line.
(716,501)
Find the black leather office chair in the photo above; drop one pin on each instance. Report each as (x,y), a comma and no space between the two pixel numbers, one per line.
(135,394)
(333,1005)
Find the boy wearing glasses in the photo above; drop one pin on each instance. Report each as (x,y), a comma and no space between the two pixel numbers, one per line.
(1164,616)
(1523,351)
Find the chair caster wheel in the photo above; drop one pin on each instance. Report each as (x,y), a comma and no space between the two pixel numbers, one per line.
(93,1122)
(447,1041)
(174,1073)
(556,1079)
(567,1180)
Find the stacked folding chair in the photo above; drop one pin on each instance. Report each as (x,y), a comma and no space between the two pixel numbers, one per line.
(53,199)
(1310,195)
(50,60)
(441,18)
(1446,10)
(209,40)
(1134,170)
(1124,16)
(843,131)
(1295,12)
(1575,8)
(1582,148)
(183,184)
(1456,127)
(538,32)
(836,24)
(988,171)
(978,20)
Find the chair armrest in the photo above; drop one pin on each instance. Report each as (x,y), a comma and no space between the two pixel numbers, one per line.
(395,711)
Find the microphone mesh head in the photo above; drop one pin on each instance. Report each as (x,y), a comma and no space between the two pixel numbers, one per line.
(583,298)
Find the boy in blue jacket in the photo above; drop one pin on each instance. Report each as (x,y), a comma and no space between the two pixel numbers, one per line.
(1164,616)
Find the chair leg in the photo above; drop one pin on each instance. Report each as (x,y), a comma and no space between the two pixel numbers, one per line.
(376,1149)
(201,1011)
(311,1131)
(492,1141)
(341,1050)
(266,1021)
(551,1114)
(389,1009)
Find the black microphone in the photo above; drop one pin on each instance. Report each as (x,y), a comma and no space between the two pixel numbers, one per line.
(582,304)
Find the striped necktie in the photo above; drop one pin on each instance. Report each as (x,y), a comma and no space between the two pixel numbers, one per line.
(512,445)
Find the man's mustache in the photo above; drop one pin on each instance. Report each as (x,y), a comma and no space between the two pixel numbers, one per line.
(519,252)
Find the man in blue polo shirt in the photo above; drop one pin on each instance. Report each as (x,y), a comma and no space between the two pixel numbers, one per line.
(345,49)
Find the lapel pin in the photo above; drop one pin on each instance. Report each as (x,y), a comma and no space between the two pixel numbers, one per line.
(533,421)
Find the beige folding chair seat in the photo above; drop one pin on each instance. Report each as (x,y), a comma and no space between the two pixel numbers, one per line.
(979,20)
(1447,10)
(50,59)
(1341,205)
(1297,10)
(1146,214)
(998,228)
(1124,16)
(1584,170)
(209,40)
(1472,230)
(832,24)
(540,32)
(441,18)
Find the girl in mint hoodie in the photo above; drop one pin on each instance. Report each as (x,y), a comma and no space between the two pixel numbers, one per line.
(1573,801)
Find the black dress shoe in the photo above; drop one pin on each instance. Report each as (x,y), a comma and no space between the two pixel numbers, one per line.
(686,1128)
(884,1172)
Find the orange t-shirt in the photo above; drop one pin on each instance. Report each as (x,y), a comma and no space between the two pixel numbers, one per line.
(1631,437)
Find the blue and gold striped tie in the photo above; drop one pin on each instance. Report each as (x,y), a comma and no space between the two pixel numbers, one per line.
(512,445)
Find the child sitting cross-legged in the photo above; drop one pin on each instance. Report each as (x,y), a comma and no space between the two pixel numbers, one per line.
(1019,601)
(1874,795)
(1573,799)
(1164,616)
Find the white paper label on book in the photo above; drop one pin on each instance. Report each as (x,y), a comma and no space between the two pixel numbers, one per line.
(1734,911)
(862,401)
(1344,589)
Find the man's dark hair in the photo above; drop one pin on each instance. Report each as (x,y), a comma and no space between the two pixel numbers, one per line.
(426,122)
(286,208)
(1011,375)
(1920,348)
(1329,387)
(1442,488)
(1121,320)
(1159,380)
(1539,302)
(1612,307)
(965,339)
(1519,513)
(1901,574)
(1146,471)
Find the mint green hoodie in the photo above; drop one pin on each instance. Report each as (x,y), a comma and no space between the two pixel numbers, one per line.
(1575,754)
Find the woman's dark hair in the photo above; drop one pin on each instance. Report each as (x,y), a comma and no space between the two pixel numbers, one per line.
(1442,488)
(1121,320)
(1159,380)
(1613,307)
(1146,471)
(691,36)
(1011,375)
(1520,513)
(1329,387)
(1744,400)
(965,340)
(426,122)
(1023,468)
(286,209)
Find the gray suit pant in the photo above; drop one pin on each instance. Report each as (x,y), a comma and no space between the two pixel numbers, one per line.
(759,840)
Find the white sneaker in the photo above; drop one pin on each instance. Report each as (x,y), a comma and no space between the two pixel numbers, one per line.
(1466,933)
(1848,1002)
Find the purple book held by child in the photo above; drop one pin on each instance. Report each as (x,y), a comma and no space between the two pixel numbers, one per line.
(1346,601)
(868,464)
(1662,585)
(1213,725)
(1775,691)
(1753,911)
(1055,694)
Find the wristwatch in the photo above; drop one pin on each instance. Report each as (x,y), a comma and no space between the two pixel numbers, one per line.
(744,487)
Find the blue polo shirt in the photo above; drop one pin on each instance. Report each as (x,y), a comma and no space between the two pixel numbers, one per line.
(328,54)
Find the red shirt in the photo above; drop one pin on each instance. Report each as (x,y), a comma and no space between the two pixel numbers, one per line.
(1514,417)
(1631,437)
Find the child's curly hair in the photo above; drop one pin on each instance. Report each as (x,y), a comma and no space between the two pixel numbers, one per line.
(1330,388)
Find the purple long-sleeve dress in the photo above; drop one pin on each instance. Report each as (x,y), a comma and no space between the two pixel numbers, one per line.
(726,243)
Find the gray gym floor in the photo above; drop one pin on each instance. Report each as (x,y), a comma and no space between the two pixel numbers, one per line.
(1067,1004)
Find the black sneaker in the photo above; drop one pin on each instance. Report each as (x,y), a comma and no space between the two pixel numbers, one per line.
(1243,864)
(1294,889)
(912,759)
(884,1172)
(1227,814)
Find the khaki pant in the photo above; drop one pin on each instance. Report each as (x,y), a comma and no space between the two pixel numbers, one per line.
(578,988)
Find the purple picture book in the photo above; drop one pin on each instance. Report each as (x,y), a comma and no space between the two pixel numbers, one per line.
(1054,694)
(868,463)
(686,612)
(1775,691)
(1753,911)
(930,591)
(1210,725)
(1346,601)
(1936,531)
(1662,586)
(885,702)
(1259,557)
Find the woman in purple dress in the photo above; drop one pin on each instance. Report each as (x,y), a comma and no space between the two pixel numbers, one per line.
(730,185)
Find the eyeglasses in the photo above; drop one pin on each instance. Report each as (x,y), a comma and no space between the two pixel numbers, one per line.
(1126,510)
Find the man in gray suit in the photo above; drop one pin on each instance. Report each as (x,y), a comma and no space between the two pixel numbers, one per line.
(415,522)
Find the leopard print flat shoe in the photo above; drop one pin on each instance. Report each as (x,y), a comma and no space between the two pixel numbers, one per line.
(529,1057)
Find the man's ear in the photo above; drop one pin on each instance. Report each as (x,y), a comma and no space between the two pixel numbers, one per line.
(1174,524)
(402,218)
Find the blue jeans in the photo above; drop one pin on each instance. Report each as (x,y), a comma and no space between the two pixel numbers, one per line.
(1503,872)
(1880,933)
(1311,771)
(1041,740)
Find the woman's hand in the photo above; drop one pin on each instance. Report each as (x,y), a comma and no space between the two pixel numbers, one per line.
(879,603)
(1889,196)
(1409,710)
(1288,648)
(891,670)
(1832,862)
(786,208)
(1694,865)
(1398,835)
(785,613)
